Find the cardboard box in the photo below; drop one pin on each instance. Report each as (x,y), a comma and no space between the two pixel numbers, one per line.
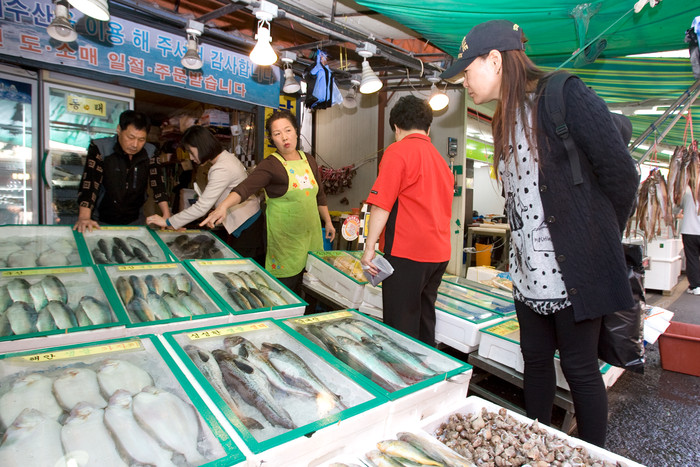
(679,347)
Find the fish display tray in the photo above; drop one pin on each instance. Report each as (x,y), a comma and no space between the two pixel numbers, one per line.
(460,332)
(502,306)
(213,275)
(38,302)
(479,286)
(340,271)
(195,244)
(386,359)
(111,402)
(501,343)
(165,295)
(301,394)
(123,245)
(30,246)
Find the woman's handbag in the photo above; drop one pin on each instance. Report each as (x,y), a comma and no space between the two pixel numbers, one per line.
(621,341)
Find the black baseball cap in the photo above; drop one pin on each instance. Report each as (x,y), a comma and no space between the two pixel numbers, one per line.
(498,34)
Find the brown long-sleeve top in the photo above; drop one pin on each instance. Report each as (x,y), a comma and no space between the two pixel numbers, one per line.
(271,175)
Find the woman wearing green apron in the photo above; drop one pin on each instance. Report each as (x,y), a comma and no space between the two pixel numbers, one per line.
(295,202)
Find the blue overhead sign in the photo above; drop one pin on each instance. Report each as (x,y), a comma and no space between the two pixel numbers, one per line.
(124,48)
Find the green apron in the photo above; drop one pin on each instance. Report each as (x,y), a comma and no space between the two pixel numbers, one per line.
(293,221)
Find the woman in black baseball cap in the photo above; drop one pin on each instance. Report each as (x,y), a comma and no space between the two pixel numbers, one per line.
(566,258)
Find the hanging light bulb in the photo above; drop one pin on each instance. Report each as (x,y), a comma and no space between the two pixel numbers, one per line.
(370,82)
(350,99)
(291,85)
(61,28)
(263,54)
(97,9)
(438,99)
(192,60)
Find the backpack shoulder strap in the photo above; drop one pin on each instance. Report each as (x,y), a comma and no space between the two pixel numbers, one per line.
(554,104)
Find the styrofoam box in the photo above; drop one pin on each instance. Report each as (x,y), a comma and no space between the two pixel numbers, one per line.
(335,280)
(459,333)
(664,248)
(372,295)
(662,273)
(481,273)
(507,352)
(474,404)
(370,310)
(311,281)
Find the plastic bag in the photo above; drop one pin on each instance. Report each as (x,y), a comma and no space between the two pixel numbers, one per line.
(621,341)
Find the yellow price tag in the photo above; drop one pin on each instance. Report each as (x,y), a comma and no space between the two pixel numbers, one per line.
(118,228)
(33,272)
(505,328)
(237,262)
(137,267)
(180,232)
(322,318)
(84,351)
(209,333)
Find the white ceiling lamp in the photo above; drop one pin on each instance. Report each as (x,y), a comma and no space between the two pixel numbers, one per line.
(60,28)
(263,54)
(370,82)
(291,85)
(350,99)
(438,99)
(192,60)
(97,9)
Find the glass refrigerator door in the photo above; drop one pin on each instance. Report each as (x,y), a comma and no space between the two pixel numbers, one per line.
(74,117)
(18,150)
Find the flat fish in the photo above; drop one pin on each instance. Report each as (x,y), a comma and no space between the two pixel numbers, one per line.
(183,283)
(86,439)
(33,440)
(45,321)
(21,259)
(138,286)
(52,258)
(22,318)
(169,284)
(54,289)
(77,385)
(176,307)
(36,291)
(61,314)
(33,391)
(171,420)
(130,436)
(160,307)
(140,309)
(18,288)
(95,310)
(115,374)
(5,299)
(124,289)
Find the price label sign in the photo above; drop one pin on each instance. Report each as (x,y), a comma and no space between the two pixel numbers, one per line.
(118,228)
(505,328)
(33,272)
(137,267)
(237,262)
(83,351)
(323,318)
(221,332)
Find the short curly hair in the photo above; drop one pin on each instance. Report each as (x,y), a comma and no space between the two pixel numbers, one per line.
(278,115)
(411,113)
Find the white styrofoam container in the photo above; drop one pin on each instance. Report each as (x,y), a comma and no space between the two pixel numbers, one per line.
(481,273)
(664,248)
(372,295)
(459,333)
(334,279)
(314,284)
(662,273)
(370,310)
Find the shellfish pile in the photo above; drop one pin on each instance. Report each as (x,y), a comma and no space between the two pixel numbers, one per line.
(498,439)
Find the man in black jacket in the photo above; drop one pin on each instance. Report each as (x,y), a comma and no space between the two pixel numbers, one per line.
(118,171)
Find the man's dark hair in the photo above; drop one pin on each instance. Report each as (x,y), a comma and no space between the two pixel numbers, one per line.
(411,113)
(208,147)
(138,120)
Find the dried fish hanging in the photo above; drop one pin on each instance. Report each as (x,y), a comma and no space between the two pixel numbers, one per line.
(653,206)
(684,168)
(337,180)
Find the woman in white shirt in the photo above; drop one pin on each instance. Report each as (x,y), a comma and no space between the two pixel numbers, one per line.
(243,222)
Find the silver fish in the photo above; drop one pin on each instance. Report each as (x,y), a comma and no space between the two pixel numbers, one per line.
(76,385)
(258,279)
(169,284)
(254,301)
(139,286)
(206,363)
(379,459)
(61,315)
(435,450)
(176,307)
(238,299)
(45,321)
(54,289)
(22,318)
(18,288)
(5,299)
(401,359)
(52,258)
(368,362)
(117,374)
(95,310)
(99,257)
(171,420)
(124,289)
(183,283)
(253,387)
(191,303)
(154,284)
(249,282)
(406,450)
(236,280)
(261,296)
(273,296)
(160,307)
(22,259)
(130,436)
(140,310)
(39,299)
(33,391)
(33,439)
(87,440)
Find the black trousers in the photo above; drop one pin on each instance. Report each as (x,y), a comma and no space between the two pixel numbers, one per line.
(408,297)
(691,246)
(540,337)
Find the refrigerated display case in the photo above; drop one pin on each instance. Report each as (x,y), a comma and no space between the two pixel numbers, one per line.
(73,117)
(18,150)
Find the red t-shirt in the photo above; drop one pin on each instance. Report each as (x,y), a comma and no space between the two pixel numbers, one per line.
(416,186)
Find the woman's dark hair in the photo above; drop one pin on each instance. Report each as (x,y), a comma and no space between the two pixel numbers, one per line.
(277,115)
(411,113)
(520,75)
(208,147)
(138,120)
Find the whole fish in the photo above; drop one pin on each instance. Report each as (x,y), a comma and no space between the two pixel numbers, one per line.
(45,321)
(336,331)
(169,284)
(22,318)
(105,246)
(236,280)
(435,450)
(135,243)
(170,420)
(253,387)
(223,278)
(85,437)
(115,374)
(99,257)
(405,450)
(5,327)
(130,436)
(154,284)
(33,439)
(261,296)
(76,385)
(244,348)
(192,304)
(178,309)
(52,258)
(258,279)
(402,359)
(207,365)
(138,286)
(247,280)
(140,310)
(33,391)
(160,307)
(297,372)
(141,255)
(379,459)
(118,255)
(239,300)
(365,327)
(63,246)
(60,314)
(96,311)
(21,259)
(368,362)
(254,301)
(5,299)
(123,246)
(273,296)
(183,283)
(39,300)
(18,288)
(350,327)
(54,289)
